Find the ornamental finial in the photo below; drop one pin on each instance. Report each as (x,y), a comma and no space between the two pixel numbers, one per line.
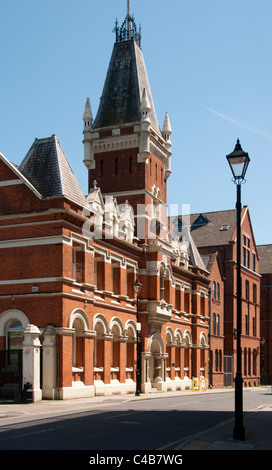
(128,30)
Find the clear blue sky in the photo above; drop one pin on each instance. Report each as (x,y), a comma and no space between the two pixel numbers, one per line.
(209,66)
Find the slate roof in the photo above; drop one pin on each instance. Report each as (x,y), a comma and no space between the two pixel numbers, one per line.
(265,258)
(195,258)
(213,228)
(46,167)
(123,89)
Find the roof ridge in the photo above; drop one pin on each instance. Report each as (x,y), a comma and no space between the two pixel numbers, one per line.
(63,162)
(211,212)
(55,140)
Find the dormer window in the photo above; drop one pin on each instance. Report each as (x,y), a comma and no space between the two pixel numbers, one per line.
(200,222)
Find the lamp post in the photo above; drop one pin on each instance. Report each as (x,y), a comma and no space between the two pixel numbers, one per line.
(238,161)
(137,286)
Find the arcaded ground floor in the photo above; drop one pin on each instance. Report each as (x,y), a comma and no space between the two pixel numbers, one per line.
(79,361)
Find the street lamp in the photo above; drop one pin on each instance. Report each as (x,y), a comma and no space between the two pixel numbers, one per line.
(238,161)
(137,286)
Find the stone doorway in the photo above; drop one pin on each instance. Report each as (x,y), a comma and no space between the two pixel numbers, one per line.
(157,363)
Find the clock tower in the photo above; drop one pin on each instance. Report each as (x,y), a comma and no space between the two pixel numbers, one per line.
(127,155)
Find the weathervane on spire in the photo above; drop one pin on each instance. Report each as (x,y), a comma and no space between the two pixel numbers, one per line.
(128,12)
(128,30)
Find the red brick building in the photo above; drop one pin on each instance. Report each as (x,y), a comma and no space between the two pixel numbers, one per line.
(265,254)
(216,314)
(70,261)
(216,231)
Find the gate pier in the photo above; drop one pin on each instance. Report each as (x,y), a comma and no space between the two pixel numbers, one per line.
(31,360)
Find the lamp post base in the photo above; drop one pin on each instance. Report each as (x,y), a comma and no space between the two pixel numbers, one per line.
(239,432)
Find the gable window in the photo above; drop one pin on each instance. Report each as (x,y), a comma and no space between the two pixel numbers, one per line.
(253,262)
(246,252)
(214,323)
(214,290)
(218,291)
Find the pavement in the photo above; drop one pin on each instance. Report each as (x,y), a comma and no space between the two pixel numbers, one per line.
(257,422)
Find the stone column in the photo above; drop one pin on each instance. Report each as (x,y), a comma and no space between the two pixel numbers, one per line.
(107,358)
(31,360)
(88,357)
(122,360)
(49,364)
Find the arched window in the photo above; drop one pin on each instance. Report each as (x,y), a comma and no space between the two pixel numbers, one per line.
(168,349)
(177,351)
(130,165)
(187,355)
(99,346)
(130,347)
(78,354)
(115,358)
(214,290)
(14,335)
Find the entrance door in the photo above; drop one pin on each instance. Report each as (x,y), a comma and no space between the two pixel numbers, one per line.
(11,363)
(228,371)
(156,365)
(11,375)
